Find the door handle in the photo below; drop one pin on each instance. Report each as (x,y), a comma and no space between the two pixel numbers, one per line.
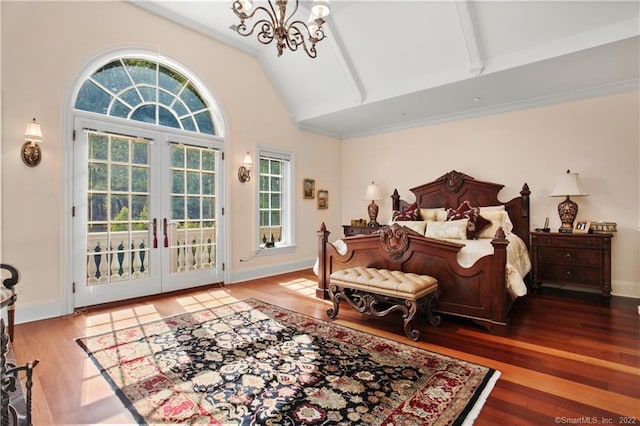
(166,236)
(155,233)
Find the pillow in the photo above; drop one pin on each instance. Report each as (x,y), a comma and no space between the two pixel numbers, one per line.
(455,229)
(431,214)
(492,208)
(415,225)
(441,216)
(476,222)
(410,213)
(498,219)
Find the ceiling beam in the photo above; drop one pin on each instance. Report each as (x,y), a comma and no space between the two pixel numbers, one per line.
(465,17)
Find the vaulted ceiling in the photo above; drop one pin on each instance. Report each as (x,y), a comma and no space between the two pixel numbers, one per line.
(388,65)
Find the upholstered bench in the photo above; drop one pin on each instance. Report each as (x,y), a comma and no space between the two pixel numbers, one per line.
(379,292)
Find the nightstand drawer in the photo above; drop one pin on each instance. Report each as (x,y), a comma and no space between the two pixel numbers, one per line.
(570,275)
(570,256)
(577,241)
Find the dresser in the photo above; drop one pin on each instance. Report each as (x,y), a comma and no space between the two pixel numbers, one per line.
(572,260)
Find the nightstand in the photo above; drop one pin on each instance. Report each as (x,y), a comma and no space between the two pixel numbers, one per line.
(575,260)
(350,231)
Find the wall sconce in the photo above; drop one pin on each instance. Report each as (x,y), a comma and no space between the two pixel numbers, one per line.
(31,153)
(243,171)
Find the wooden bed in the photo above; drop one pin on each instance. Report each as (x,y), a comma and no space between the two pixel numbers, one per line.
(478,292)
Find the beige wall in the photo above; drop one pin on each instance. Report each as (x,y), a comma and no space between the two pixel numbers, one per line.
(65,37)
(597,138)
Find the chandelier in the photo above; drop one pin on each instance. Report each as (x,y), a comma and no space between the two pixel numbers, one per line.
(288,32)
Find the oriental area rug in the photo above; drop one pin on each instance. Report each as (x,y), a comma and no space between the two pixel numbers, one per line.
(250,362)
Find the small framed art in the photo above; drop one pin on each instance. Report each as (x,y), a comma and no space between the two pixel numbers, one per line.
(308,188)
(581,227)
(323,199)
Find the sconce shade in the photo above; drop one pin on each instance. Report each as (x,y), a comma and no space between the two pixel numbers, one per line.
(33,133)
(568,185)
(31,152)
(247,162)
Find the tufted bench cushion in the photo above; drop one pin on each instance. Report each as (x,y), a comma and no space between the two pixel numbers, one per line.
(379,292)
(404,285)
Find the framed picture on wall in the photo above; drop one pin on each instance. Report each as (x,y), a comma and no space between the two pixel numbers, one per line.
(309,188)
(323,199)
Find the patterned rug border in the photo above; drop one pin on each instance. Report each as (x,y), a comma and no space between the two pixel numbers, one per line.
(466,417)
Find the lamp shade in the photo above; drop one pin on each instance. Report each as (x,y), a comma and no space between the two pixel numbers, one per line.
(373,192)
(568,184)
(320,8)
(247,162)
(33,133)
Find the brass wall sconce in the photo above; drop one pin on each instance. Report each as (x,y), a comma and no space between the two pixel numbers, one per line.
(245,169)
(31,152)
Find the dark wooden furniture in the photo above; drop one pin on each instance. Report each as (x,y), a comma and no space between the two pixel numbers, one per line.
(576,260)
(15,408)
(478,292)
(350,230)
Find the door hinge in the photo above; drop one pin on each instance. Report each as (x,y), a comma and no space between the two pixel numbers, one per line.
(73,211)
(74,135)
(223,211)
(73,287)
(222,155)
(223,266)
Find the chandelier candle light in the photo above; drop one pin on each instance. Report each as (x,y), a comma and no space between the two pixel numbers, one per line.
(288,31)
(373,194)
(568,185)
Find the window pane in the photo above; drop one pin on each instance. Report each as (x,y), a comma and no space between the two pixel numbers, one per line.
(98,146)
(171,80)
(205,124)
(142,71)
(92,98)
(275,167)
(119,208)
(208,160)
(97,208)
(140,153)
(177,208)
(112,77)
(192,98)
(177,156)
(177,182)
(148,94)
(120,150)
(264,183)
(264,200)
(208,208)
(193,207)
(188,124)
(208,183)
(139,207)
(140,179)
(166,118)
(275,184)
(131,97)
(193,158)
(193,183)
(146,113)
(118,109)
(275,201)
(97,177)
(119,178)
(275,217)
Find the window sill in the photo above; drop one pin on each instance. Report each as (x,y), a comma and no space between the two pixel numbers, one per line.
(264,251)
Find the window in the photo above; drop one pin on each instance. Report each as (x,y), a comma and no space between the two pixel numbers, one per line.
(275,199)
(148,91)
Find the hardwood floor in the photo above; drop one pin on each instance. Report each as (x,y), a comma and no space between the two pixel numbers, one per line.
(565,361)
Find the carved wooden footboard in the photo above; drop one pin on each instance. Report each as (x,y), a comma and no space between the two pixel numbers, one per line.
(478,292)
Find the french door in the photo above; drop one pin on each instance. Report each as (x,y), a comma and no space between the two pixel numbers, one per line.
(146,212)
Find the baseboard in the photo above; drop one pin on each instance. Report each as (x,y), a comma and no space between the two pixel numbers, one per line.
(267,271)
(625,289)
(38,311)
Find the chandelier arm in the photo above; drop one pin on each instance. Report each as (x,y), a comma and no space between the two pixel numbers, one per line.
(286,23)
(266,32)
(243,16)
(295,38)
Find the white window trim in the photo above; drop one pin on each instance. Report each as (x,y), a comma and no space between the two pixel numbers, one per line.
(289,200)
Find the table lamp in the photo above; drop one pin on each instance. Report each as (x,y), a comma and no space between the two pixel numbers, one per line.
(373,194)
(568,185)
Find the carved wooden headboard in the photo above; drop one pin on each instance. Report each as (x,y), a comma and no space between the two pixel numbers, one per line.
(453,188)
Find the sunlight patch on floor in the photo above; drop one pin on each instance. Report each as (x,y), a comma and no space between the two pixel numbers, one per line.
(108,321)
(208,299)
(303,286)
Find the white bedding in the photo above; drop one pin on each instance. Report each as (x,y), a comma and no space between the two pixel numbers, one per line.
(518,262)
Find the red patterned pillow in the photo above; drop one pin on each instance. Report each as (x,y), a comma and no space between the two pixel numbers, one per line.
(476,222)
(410,213)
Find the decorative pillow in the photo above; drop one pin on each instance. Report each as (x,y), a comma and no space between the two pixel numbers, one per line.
(431,214)
(454,229)
(491,208)
(498,219)
(415,225)
(476,222)
(410,213)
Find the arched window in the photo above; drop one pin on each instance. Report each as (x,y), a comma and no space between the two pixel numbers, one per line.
(147,91)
